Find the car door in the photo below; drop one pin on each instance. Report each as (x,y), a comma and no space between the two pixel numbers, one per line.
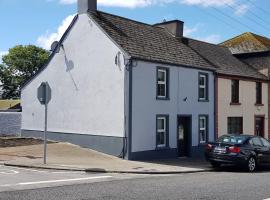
(260,150)
(266,145)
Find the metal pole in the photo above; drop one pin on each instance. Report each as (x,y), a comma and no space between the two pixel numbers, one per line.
(45,134)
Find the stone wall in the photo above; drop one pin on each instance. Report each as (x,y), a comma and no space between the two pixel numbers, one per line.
(10,123)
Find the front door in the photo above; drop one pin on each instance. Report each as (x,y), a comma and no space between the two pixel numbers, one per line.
(184,135)
(259,126)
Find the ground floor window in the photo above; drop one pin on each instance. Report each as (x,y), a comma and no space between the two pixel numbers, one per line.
(203,129)
(162,131)
(235,125)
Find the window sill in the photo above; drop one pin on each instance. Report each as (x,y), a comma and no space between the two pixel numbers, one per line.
(201,100)
(258,104)
(162,148)
(163,98)
(235,104)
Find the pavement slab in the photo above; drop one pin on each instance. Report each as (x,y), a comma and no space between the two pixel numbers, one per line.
(66,156)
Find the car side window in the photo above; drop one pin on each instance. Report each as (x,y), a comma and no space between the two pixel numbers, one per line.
(265,142)
(256,141)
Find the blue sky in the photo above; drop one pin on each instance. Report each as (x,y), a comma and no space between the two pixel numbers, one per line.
(40,22)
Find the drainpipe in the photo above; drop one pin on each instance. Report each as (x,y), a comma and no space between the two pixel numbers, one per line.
(128,122)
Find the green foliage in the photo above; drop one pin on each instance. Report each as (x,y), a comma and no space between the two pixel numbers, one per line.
(21,63)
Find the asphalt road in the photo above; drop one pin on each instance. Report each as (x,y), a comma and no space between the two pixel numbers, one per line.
(225,184)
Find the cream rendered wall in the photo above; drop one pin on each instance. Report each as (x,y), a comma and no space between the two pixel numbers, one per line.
(247,109)
(87,86)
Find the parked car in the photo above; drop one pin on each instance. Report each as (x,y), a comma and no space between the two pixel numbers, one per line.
(242,150)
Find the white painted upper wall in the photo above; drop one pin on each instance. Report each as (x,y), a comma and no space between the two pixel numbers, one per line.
(247,109)
(87,86)
(183,82)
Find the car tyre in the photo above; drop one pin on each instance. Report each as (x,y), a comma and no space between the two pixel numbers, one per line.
(251,164)
(215,164)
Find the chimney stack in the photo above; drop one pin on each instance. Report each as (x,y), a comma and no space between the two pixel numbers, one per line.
(85,6)
(175,27)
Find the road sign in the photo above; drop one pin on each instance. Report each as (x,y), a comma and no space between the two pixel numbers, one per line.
(44,97)
(44,93)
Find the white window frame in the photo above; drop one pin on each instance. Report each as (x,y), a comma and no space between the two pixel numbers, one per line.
(203,87)
(162,131)
(162,83)
(203,129)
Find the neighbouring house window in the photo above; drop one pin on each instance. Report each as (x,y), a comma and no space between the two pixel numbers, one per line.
(235,91)
(203,128)
(162,83)
(203,87)
(258,93)
(162,131)
(235,125)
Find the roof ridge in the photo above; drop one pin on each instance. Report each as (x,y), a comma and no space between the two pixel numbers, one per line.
(237,36)
(125,18)
(217,45)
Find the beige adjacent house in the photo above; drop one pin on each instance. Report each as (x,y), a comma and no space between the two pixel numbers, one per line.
(241,92)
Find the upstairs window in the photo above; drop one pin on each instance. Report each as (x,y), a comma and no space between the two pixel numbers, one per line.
(162,83)
(203,87)
(235,91)
(258,93)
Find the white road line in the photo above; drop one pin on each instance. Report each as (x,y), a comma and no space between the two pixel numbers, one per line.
(55,181)
(9,172)
(267,199)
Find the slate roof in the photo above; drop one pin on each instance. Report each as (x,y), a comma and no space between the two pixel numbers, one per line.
(226,63)
(247,43)
(259,61)
(148,42)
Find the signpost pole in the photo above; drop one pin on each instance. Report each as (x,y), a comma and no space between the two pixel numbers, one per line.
(45,133)
(44,96)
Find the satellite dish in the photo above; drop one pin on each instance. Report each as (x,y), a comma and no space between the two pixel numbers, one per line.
(55,45)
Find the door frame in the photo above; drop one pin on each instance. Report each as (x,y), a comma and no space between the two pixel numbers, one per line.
(261,116)
(190,128)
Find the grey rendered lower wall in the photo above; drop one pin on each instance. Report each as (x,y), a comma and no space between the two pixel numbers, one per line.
(154,154)
(10,123)
(195,152)
(108,145)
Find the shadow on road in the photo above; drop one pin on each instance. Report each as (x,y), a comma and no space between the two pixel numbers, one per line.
(237,169)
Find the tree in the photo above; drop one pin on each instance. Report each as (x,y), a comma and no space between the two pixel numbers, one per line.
(21,63)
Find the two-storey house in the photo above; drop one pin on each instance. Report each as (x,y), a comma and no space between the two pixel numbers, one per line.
(125,88)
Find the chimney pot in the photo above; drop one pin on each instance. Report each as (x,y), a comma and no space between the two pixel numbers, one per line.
(85,6)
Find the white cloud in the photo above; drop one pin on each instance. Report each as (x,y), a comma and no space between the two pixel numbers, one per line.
(48,38)
(189,31)
(214,38)
(240,8)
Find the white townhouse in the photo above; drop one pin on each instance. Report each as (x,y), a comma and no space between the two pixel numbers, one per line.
(124,88)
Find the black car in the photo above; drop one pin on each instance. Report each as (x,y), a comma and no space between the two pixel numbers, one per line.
(241,150)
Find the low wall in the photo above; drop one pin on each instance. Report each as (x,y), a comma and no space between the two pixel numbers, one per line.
(10,123)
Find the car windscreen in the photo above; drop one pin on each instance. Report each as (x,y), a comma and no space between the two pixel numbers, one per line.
(232,139)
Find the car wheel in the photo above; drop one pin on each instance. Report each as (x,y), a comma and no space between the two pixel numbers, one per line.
(251,164)
(215,164)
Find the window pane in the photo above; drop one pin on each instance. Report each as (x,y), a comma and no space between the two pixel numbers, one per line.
(202,80)
(235,91)
(162,90)
(258,93)
(161,139)
(160,124)
(202,123)
(202,93)
(161,76)
(202,136)
(235,125)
